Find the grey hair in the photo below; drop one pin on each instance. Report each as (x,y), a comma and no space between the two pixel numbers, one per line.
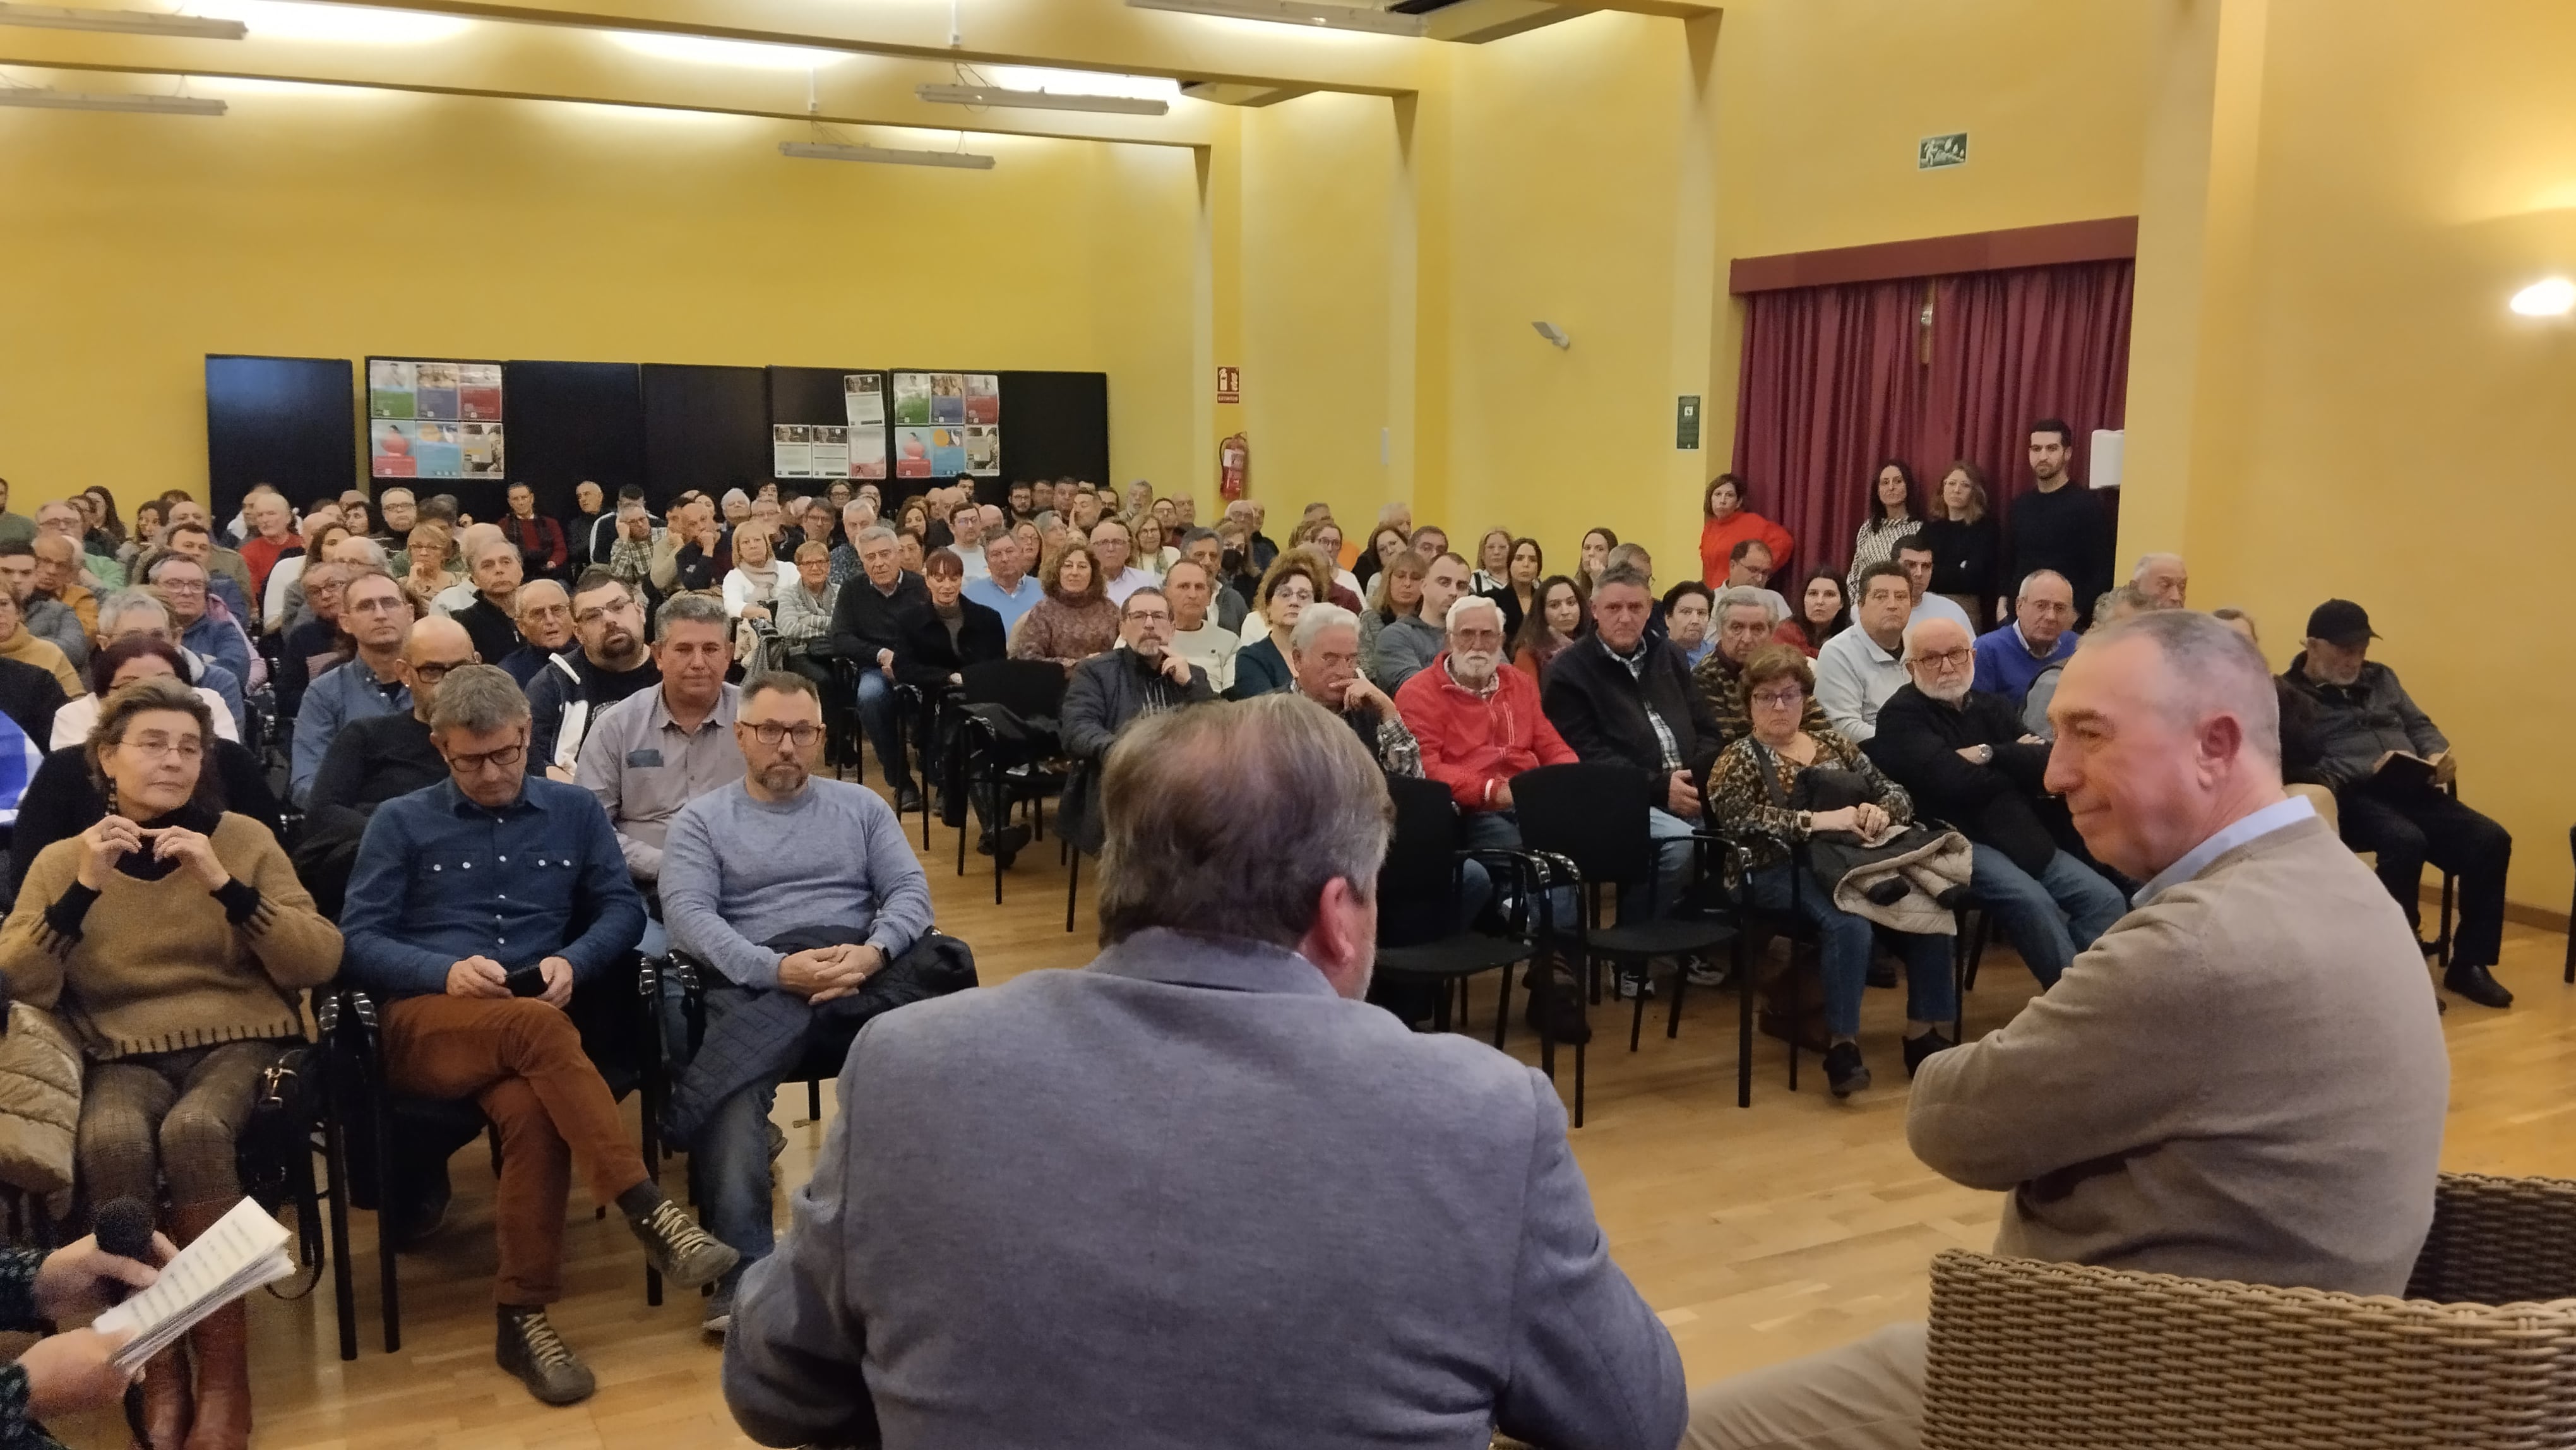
(2128,597)
(1197,533)
(1740,596)
(629,508)
(479,700)
(1628,556)
(475,542)
(689,609)
(2035,575)
(1628,574)
(1918,626)
(1464,604)
(1229,820)
(2147,561)
(873,534)
(123,602)
(374,552)
(1315,620)
(2214,669)
(733,496)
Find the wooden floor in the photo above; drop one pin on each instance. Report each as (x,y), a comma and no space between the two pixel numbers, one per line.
(1757,1234)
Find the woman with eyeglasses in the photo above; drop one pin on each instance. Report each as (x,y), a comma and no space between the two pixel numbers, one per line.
(1759,794)
(174,937)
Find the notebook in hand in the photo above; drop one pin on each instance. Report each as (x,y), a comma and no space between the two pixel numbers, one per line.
(244,1250)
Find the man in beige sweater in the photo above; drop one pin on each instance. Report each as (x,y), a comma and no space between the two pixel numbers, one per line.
(2243,1079)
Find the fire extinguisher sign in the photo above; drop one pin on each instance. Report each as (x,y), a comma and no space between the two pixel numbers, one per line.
(1229,385)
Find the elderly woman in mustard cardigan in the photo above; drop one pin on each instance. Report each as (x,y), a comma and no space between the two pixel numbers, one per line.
(173,936)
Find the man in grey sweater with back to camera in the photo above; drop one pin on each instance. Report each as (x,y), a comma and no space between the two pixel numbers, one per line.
(1200,1193)
(2243,1079)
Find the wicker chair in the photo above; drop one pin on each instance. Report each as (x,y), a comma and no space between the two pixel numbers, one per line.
(2061,1357)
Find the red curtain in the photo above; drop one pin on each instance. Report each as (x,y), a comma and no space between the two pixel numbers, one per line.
(1836,378)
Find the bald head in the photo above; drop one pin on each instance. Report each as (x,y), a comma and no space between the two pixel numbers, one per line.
(438,639)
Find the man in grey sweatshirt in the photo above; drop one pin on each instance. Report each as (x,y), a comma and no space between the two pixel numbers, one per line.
(2244,1078)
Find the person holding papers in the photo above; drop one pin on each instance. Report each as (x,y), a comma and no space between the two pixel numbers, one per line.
(76,1370)
(173,937)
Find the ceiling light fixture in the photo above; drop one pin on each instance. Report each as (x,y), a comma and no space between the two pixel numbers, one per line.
(830,151)
(335,24)
(121,22)
(706,50)
(43,98)
(1039,100)
(2553,297)
(1296,12)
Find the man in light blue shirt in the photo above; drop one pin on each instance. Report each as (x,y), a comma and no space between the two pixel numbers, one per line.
(1006,588)
(376,614)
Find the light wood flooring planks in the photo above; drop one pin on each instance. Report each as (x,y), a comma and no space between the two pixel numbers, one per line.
(1757,1234)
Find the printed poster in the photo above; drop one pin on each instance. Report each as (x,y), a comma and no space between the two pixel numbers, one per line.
(831,452)
(481,445)
(947,397)
(863,395)
(912,451)
(431,419)
(911,399)
(983,398)
(389,390)
(791,450)
(983,448)
(478,392)
(867,451)
(405,448)
(947,451)
(434,390)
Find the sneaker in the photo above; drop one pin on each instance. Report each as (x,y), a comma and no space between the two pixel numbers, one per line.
(719,1315)
(529,1348)
(686,1254)
(1701,972)
(1919,1048)
(1632,985)
(1845,1073)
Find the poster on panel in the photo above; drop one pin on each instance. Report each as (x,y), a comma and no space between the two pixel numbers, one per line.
(791,450)
(829,456)
(428,418)
(983,449)
(912,446)
(911,399)
(867,452)
(983,398)
(863,398)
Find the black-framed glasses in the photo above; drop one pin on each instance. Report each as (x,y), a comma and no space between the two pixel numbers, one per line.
(430,672)
(770,734)
(508,757)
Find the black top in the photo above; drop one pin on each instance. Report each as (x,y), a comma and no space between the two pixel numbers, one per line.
(1510,604)
(524,662)
(60,801)
(2065,531)
(1599,706)
(1965,558)
(375,759)
(1918,744)
(491,629)
(29,696)
(552,691)
(868,619)
(295,671)
(930,653)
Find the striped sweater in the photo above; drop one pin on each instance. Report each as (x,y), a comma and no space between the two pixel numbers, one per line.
(164,965)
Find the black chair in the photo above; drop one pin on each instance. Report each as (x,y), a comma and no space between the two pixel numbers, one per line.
(1967,953)
(998,771)
(1590,821)
(1420,939)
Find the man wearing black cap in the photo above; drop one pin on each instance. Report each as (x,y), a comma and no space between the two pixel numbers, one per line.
(2388,766)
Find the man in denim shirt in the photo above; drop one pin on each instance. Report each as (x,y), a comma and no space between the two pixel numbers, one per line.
(477,954)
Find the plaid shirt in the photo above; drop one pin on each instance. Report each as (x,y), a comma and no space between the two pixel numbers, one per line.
(1635,660)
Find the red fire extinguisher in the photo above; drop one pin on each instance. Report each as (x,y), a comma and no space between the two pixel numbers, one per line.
(1234,466)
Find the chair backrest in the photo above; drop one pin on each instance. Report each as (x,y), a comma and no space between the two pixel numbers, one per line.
(1593,815)
(1416,900)
(2027,1355)
(1030,689)
(2498,1241)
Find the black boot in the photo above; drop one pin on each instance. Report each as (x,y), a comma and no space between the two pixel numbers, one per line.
(1919,1048)
(1845,1073)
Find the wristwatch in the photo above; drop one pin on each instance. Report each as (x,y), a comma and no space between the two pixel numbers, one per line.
(1806,823)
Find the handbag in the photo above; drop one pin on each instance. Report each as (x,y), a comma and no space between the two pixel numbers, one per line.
(40,1101)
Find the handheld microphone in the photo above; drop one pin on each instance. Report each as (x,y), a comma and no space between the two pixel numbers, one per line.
(124,1228)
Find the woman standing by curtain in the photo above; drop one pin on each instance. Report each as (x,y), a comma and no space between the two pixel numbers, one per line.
(1967,544)
(1891,517)
(1728,523)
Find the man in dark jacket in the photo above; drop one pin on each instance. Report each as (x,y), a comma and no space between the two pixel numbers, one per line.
(1963,756)
(2060,525)
(1618,696)
(877,613)
(2389,768)
(1110,690)
(572,688)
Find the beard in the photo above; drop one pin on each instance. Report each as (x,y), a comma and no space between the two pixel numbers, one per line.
(784,779)
(1474,668)
(1948,694)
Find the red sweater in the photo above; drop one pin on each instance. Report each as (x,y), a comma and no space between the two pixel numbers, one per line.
(262,556)
(1474,746)
(1718,538)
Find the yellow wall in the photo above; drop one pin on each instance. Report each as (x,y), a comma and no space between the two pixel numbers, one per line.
(335,223)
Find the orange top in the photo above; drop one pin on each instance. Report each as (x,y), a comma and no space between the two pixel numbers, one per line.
(1718,538)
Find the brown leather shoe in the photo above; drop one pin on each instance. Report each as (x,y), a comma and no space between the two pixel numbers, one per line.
(166,1402)
(220,1345)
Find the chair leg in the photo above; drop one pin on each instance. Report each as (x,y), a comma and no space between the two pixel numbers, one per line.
(1637,1015)
(1743,1024)
(1673,1016)
(1072,884)
(344,1290)
(389,1289)
(1503,1002)
(2450,885)
(1578,1084)
(813,1102)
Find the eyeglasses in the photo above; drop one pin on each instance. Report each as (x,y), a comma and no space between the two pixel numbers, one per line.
(430,672)
(1779,699)
(1947,659)
(1149,616)
(187,747)
(770,734)
(382,604)
(182,586)
(508,757)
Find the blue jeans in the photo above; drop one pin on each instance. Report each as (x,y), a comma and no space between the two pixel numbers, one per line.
(876,717)
(731,1165)
(2050,917)
(1500,830)
(1843,943)
(1675,851)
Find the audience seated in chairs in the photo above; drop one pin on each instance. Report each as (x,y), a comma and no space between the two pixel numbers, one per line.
(803,613)
(575,685)
(2041,633)
(1196,635)
(228,575)
(318,645)
(1111,691)
(374,760)
(1294,582)
(1410,642)
(875,615)
(543,613)
(131,658)
(653,752)
(377,617)
(475,979)
(1687,607)
(175,938)
(205,624)
(1619,697)
(952,635)
(1324,651)
(1859,668)
(1228,606)
(2389,767)
(787,886)
(1561,615)
(1964,757)
(1006,587)
(58,578)
(2302,743)
(1745,627)
(19,643)
(50,620)
(1075,621)
(1755,798)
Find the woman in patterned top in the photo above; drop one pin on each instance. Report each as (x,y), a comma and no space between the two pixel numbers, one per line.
(1750,798)
(66,1373)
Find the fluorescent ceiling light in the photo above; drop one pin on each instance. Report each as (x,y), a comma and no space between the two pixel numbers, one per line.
(121,22)
(705,51)
(1296,12)
(1079,82)
(53,100)
(1039,100)
(336,24)
(828,151)
(2554,297)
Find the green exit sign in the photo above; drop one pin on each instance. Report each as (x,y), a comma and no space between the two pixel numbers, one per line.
(1934,152)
